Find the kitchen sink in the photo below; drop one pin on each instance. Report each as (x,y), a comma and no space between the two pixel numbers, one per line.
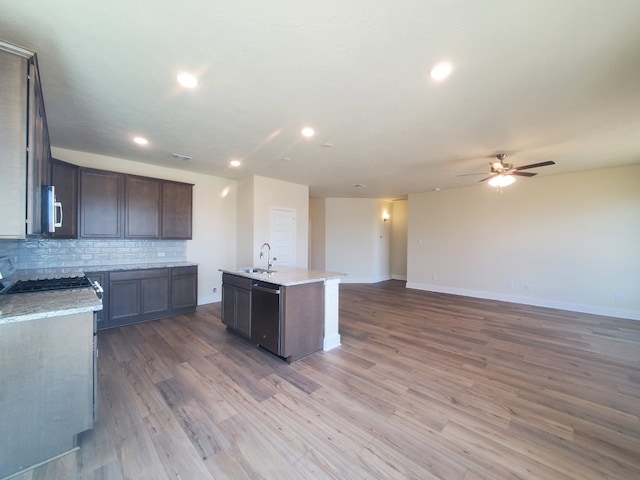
(255,270)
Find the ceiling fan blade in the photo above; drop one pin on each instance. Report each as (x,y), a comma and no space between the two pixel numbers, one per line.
(536,165)
(524,174)
(485,179)
(470,174)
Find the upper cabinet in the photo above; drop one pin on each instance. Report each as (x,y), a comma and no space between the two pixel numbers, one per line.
(116,205)
(24,142)
(176,210)
(142,207)
(101,200)
(64,177)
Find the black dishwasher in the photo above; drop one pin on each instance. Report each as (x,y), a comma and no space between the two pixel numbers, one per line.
(265,315)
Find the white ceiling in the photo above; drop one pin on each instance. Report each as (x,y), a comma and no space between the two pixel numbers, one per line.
(539,79)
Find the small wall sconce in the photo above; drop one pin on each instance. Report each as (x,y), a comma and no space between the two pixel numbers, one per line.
(385,216)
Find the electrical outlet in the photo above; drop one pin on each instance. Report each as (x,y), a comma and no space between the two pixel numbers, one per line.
(215,289)
(510,284)
(527,286)
(434,276)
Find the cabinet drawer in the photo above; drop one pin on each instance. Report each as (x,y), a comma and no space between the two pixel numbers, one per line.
(237,281)
(138,274)
(179,271)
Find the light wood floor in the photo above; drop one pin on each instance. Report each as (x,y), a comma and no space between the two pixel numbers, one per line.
(424,386)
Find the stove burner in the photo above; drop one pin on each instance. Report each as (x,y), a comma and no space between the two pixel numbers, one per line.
(66,283)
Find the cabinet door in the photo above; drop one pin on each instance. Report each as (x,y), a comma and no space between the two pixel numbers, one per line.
(39,152)
(229,305)
(124,300)
(13,144)
(176,210)
(184,289)
(100,204)
(243,311)
(142,207)
(155,295)
(64,177)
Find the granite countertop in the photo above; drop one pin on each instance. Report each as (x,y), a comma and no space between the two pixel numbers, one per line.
(287,276)
(31,306)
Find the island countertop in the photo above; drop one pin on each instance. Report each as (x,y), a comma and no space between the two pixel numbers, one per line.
(20,307)
(287,276)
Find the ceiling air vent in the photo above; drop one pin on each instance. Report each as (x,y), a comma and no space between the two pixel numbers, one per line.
(177,156)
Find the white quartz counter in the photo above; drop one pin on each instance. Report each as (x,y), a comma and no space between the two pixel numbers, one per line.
(287,276)
(30,306)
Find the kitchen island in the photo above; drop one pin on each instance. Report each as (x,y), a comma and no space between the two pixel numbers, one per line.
(292,312)
(47,374)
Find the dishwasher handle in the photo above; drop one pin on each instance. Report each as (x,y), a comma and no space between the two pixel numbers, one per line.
(265,289)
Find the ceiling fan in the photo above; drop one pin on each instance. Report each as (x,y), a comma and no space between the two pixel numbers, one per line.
(502,174)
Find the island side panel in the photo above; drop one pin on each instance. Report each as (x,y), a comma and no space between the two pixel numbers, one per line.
(46,380)
(331,314)
(303,320)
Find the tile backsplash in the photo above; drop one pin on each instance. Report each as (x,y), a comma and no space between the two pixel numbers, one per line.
(37,253)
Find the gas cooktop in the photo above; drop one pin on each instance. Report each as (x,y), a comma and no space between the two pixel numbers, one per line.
(65,283)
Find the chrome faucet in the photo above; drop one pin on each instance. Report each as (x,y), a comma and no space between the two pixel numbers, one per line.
(269,265)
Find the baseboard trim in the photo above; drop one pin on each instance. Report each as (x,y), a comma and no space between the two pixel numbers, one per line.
(538,302)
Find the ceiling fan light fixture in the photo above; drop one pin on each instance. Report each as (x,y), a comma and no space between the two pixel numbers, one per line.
(502,181)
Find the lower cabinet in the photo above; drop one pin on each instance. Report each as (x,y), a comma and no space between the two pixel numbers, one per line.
(184,289)
(139,294)
(47,388)
(132,296)
(286,320)
(236,303)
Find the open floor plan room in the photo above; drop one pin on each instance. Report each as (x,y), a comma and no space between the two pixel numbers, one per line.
(424,386)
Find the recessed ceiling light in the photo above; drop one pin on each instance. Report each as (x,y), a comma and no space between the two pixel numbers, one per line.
(359,185)
(441,71)
(327,145)
(308,132)
(235,163)
(187,80)
(140,140)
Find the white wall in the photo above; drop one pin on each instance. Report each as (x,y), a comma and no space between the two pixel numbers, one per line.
(317,233)
(245,214)
(357,240)
(567,241)
(214,214)
(399,239)
(268,193)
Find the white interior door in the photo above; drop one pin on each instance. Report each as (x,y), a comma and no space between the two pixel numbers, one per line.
(283,236)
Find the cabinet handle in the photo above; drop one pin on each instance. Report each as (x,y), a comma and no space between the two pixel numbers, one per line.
(266,290)
(58,208)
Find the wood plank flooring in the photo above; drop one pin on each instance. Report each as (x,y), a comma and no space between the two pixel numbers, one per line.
(424,386)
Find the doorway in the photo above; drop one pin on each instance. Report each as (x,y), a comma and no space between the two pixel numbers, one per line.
(283,236)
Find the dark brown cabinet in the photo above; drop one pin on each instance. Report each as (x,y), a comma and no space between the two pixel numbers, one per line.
(142,207)
(176,210)
(39,151)
(116,205)
(24,143)
(138,295)
(64,177)
(236,303)
(286,320)
(184,289)
(101,195)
